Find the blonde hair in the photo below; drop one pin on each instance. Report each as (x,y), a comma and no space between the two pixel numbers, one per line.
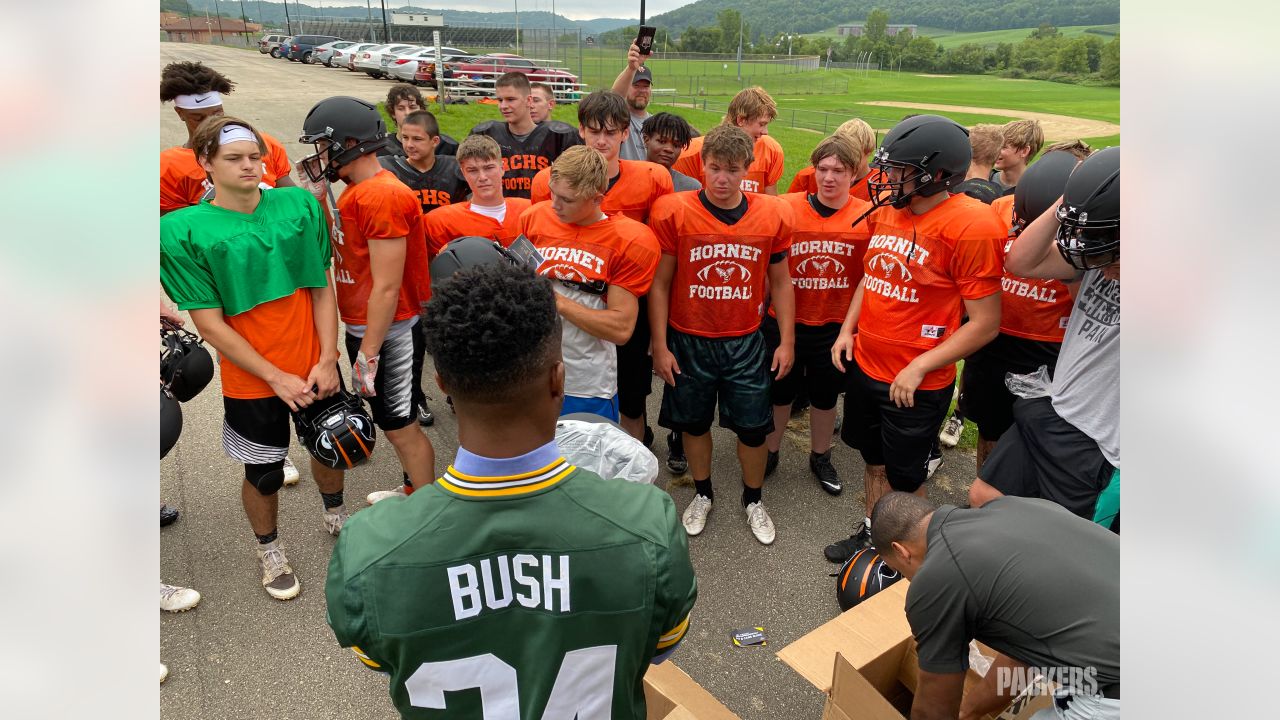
(478,147)
(584,169)
(840,147)
(1024,134)
(986,141)
(729,143)
(1079,148)
(857,130)
(749,104)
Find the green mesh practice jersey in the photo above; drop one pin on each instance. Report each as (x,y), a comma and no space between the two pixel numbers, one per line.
(526,597)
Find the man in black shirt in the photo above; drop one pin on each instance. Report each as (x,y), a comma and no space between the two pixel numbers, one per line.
(527,147)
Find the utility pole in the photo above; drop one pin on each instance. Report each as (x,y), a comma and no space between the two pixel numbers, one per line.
(386,34)
(517,6)
(739,47)
(245,22)
(288,24)
(217,9)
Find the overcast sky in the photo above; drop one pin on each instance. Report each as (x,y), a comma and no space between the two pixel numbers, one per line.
(576,9)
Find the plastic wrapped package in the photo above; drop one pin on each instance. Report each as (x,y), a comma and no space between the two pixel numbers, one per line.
(606,450)
(1030,386)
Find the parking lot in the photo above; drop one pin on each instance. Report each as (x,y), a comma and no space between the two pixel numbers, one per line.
(241,654)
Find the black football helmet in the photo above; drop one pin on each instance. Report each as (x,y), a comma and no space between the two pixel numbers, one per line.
(862,576)
(1040,187)
(186,367)
(1089,216)
(468,252)
(170,421)
(337,120)
(337,430)
(932,151)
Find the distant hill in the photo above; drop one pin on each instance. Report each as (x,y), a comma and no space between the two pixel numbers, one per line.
(775,16)
(273,14)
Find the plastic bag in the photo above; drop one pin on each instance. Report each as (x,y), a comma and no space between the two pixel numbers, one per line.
(1029,386)
(980,663)
(606,450)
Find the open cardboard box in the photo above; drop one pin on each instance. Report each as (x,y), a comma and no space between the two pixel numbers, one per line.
(671,694)
(865,660)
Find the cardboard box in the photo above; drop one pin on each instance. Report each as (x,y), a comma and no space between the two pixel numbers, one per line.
(670,694)
(865,660)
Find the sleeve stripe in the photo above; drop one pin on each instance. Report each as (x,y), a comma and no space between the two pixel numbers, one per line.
(365,658)
(674,635)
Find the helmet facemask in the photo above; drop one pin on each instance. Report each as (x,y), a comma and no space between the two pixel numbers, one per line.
(1086,244)
(886,192)
(331,156)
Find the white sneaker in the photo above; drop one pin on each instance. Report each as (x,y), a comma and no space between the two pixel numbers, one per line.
(177,599)
(164,672)
(935,462)
(291,475)
(334,519)
(277,577)
(760,523)
(695,516)
(951,429)
(380,495)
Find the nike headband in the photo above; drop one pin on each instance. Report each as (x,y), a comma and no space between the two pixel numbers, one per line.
(235,133)
(198,101)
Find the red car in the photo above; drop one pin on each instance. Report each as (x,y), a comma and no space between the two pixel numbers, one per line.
(485,69)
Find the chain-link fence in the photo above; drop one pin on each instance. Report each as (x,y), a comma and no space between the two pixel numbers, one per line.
(824,121)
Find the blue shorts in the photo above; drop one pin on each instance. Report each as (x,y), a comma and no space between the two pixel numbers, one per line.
(604,407)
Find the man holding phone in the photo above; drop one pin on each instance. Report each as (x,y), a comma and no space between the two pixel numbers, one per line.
(635,83)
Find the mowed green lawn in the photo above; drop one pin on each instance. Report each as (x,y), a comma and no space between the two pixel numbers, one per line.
(995,37)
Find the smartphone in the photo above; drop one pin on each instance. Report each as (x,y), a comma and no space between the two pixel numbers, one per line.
(644,39)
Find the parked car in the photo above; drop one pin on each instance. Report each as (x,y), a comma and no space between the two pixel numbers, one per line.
(370,61)
(322,53)
(409,67)
(341,57)
(354,55)
(269,43)
(302,46)
(485,69)
(282,50)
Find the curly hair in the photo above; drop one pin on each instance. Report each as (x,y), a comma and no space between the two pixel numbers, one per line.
(191,78)
(491,329)
(670,127)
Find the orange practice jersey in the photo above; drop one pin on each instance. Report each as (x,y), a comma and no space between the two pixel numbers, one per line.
(825,259)
(1032,309)
(919,269)
(183,182)
(283,331)
(617,250)
(376,209)
(806,181)
(764,171)
(721,270)
(451,222)
(639,184)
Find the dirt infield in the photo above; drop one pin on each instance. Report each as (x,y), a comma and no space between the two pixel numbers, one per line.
(1056,127)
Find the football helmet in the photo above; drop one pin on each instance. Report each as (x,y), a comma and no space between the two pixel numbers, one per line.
(467,252)
(932,152)
(170,421)
(186,367)
(337,430)
(1089,216)
(1040,187)
(862,576)
(330,124)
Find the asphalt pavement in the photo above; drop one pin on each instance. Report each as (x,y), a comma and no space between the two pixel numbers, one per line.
(241,654)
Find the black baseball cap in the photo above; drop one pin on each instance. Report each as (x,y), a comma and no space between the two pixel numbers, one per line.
(642,74)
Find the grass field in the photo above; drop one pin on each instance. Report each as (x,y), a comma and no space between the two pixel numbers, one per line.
(951,38)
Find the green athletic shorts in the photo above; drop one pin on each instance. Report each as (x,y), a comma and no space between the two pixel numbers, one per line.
(733,371)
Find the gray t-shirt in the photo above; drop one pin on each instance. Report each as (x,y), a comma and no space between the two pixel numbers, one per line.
(1086,380)
(682,182)
(1026,577)
(633,147)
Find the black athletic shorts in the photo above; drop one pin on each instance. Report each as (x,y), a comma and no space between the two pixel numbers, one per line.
(734,371)
(419,358)
(813,370)
(256,431)
(394,406)
(984,398)
(897,438)
(1044,456)
(635,366)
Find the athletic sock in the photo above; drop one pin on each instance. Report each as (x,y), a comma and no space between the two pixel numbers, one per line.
(868,521)
(269,537)
(704,489)
(331,500)
(750,495)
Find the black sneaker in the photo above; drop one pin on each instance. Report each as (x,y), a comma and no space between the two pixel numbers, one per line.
(168,515)
(828,478)
(771,464)
(677,463)
(426,418)
(841,550)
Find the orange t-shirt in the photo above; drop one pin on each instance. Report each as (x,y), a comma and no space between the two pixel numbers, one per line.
(283,332)
(764,171)
(825,259)
(450,222)
(183,182)
(1029,308)
(639,184)
(806,181)
(721,270)
(919,269)
(616,250)
(377,209)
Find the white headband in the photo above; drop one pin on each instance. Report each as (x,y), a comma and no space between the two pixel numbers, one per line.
(235,133)
(199,101)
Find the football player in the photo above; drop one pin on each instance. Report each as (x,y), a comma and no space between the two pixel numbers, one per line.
(752,110)
(542,100)
(1022,140)
(864,138)
(487,214)
(527,147)
(666,135)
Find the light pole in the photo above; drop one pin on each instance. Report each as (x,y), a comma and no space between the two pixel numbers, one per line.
(245,22)
(288,23)
(386,34)
(739,47)
(217,9)
(516,3)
